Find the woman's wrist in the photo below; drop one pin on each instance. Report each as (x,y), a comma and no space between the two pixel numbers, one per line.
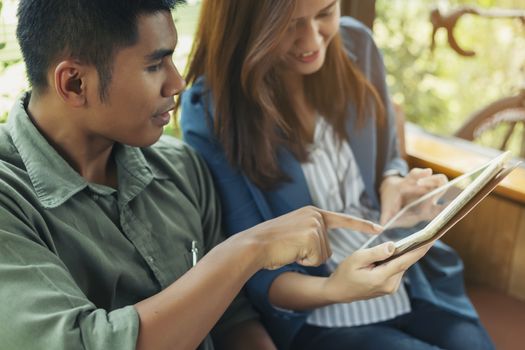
(329,292)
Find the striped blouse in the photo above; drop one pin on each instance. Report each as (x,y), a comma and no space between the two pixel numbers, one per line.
(335,184)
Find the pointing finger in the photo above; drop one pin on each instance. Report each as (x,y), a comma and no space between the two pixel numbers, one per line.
(339,220)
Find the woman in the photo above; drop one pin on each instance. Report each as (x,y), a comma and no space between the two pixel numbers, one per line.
(289,108)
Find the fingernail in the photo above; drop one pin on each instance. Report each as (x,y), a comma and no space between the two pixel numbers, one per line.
(390,248)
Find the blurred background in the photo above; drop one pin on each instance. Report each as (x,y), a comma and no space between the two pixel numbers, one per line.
(437,90)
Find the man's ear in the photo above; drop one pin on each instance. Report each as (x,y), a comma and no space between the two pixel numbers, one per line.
(71,82)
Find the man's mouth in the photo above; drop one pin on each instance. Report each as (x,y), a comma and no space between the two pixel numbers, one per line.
(163,118)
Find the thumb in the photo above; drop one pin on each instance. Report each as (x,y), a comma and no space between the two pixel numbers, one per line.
(377,253)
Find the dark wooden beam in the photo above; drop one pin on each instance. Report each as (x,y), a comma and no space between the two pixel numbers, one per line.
(363,10)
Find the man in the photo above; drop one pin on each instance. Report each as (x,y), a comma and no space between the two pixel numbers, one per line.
(106,241)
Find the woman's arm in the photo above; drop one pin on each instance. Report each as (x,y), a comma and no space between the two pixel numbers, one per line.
(356,278)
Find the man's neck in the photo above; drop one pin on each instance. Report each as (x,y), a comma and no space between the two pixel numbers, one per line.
(90,155)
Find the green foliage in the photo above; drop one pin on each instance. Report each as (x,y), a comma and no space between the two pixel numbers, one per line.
(2,44)
(3,116)
(440,90)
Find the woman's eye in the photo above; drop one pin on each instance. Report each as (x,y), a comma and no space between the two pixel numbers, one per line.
(325,14)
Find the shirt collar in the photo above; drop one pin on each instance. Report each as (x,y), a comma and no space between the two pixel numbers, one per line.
(53,179)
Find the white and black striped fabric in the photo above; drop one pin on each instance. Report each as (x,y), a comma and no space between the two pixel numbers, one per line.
(335,184)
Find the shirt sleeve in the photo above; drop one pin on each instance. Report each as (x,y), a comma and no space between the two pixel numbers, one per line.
(41,306)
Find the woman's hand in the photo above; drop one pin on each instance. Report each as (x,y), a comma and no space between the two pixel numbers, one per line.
(358,278)
(396,192)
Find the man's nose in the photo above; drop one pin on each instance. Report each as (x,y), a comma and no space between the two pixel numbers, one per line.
(174,83)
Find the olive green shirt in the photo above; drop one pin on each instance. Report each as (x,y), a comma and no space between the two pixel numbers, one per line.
(75,256)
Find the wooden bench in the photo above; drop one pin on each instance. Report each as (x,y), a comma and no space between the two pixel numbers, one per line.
(490,239)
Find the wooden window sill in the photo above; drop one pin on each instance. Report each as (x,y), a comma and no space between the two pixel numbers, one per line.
(453,157)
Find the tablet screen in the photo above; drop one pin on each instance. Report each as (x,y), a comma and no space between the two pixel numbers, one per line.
(416,216)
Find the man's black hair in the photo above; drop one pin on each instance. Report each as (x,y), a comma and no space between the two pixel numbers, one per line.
(87,30)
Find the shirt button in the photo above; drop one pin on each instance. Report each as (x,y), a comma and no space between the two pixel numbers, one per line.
(150,259)
(95,196)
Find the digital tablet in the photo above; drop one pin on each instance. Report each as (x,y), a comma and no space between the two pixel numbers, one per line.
(429,217)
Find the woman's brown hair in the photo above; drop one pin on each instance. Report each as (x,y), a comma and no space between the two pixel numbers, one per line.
(236,49)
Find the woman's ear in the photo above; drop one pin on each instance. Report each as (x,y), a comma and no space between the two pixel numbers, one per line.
(71,83)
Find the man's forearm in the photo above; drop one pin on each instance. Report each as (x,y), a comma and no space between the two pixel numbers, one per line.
(184,313)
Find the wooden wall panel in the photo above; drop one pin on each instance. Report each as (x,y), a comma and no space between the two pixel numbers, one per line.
(363,10)
(517,277)
(485,239)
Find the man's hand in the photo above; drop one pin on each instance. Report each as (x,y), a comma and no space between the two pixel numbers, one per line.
(396,192)
(301,236)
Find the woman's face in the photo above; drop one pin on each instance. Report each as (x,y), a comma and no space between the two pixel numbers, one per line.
(314,24)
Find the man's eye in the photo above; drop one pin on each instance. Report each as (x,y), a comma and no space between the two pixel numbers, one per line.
(154,68)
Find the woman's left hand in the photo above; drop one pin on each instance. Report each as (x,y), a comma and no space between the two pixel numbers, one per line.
(396,192)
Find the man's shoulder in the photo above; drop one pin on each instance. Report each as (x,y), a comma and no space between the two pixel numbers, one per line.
(16,190)
(6,144)
(9,157)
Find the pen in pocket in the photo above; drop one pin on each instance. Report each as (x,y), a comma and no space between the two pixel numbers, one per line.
(194,252)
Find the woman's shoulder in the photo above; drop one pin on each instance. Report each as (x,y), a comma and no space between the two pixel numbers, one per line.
(195,93)
(195,106)
(357,37)
(355,27)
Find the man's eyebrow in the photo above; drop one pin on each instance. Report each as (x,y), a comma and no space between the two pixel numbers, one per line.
(158,54)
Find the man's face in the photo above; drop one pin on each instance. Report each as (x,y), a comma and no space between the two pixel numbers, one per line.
(143,83)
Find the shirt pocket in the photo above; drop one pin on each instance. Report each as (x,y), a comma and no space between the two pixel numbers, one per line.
(182,261)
